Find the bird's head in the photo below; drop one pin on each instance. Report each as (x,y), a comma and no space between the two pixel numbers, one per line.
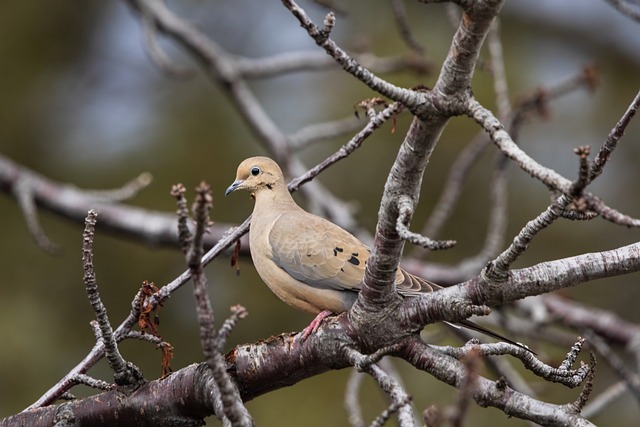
(256,174)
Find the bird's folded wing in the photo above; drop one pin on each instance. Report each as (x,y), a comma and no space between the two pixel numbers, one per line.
(316,252)
(409,285)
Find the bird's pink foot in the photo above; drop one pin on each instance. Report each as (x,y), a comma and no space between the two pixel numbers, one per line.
(315,324)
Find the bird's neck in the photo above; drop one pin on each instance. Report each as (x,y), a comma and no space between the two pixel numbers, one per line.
(275,198)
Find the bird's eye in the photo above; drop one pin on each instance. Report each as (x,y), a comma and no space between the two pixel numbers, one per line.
(255,171)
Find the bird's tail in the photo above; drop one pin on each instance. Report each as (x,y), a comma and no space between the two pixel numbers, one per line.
(409,285)
(475,327)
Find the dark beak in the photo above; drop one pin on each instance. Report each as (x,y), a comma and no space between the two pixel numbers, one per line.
(233,187)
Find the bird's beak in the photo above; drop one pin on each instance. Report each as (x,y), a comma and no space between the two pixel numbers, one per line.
(233,187)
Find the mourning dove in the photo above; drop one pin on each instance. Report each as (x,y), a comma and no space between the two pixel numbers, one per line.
(307,261)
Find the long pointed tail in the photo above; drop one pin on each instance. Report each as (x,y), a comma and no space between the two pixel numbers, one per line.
(475,327)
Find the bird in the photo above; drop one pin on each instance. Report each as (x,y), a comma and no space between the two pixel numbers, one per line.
(309,262)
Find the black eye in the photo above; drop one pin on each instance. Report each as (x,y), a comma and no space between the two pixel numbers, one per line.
(255,171)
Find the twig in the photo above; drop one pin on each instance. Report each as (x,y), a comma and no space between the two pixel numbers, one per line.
(472,363)
(627,8)
(126,192)
(585,393)
(320,131)
(402,21)
(124,373)
(490,393)
(184,234)
(233,408)
(505,143)
(583,175)
(93,382)
(500,366)
(350,65)
(497,270)
(157,55)
(500,86)
(399,398)
(362,362)
(23,191)
(237,312)
(471,153)
(604,399)
(628,375)
(165,347)
(498,221)
(608,213)
(338,213)
(351,401)
(563,374)
(405,212)
(391,409)
(453,187)
(348,148)
(613,138)
(290,62)
(604,323)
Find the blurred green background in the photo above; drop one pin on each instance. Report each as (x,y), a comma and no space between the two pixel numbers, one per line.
(80,102)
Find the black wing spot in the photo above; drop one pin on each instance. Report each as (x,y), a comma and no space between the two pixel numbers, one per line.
(336,250)
(353,260)
(342,269)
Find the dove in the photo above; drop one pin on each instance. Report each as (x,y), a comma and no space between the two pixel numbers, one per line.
(310,263)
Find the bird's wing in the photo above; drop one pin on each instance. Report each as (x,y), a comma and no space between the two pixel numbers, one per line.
(412,286)
(317,252)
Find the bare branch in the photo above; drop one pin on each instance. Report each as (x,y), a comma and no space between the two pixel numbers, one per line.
(627,8)
(498,221)
(351,400)
(23,191)
(562,374)
(378,120)
(184,234)
(237,312)
(316,132)
(450,194)
(471,153)
(125,373)
(588,386)
(613,138)
(93,382)
(604,399)
(401,401)
(157,55)
(500,86)
(604,323)
(126,192)
(497,270)
(405,212)
(490,393)
(503,140)
(402,21)
(232,405)
(458,411)
(628,375)
(350,65)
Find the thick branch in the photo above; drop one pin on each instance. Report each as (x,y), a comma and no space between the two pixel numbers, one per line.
(452,303)
(489,393)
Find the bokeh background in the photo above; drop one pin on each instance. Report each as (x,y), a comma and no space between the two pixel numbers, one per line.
(81,103)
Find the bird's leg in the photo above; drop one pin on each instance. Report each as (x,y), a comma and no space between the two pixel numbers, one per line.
(315,324)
